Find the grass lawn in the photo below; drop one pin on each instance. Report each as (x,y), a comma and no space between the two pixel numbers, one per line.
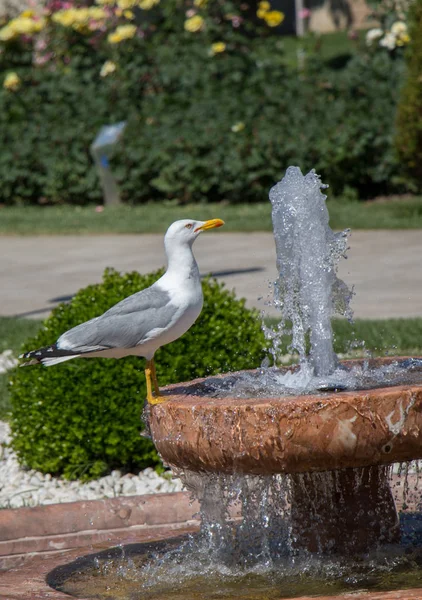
(394,213)
(391,336)
(13,333)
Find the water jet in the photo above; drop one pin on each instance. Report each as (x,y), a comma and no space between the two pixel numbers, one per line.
(292,466)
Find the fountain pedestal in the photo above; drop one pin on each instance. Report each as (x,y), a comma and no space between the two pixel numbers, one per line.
(352,434)
(343,512)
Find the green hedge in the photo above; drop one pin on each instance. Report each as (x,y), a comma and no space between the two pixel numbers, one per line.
(82,418)
(409,115)
(200,128)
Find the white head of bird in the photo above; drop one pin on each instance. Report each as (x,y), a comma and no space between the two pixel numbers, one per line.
(180,237)
(186,231)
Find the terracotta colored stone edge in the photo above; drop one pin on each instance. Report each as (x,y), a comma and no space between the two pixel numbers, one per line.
(28,582)
(76,524)
(300,434)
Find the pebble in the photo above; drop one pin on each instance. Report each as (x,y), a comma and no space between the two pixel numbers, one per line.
(7,361)
(22,487)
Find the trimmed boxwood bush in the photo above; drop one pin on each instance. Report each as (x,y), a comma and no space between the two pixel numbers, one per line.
(82,418)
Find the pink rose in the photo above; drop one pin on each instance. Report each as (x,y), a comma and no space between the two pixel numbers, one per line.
(305,13)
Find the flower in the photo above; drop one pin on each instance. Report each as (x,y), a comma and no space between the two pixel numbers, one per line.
(305,13)
(263,8)
(126,4)
(108,67)
(147,4)
(25,24)
(194,24)
(12,82)
(239,126)
(123,32)
(398,27)
(200,3)
(128,14)
(372,35)
(80,18)
(402,39)
(217,48)
(388,41)
(274,18)
(6,34)
(105,2)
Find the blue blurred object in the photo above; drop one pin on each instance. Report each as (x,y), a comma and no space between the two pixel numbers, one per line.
(101,150)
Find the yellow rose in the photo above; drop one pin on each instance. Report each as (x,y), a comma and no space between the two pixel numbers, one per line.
(108,67)
(260,13)
(402,39)
(114,38)
(12,82)
(22,25)
(96,13)
(123,32)
(264,5)
(27,13)
(126,4)
(62,18)
(238,127)
(274,18)
(193,24)
(147,4)
(67,18)
(217,48)
(200,3)
(7,33)
(398,27)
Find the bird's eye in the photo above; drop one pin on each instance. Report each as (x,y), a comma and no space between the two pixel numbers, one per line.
(189,226)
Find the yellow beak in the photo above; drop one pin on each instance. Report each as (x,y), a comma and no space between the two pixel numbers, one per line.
(210,224)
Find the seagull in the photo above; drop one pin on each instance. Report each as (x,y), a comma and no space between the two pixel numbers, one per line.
(145,321)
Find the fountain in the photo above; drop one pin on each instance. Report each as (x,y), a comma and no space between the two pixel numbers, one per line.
(289,465)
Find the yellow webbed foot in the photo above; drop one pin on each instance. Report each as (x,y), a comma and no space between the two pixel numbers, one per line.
(151,378)
(156,400)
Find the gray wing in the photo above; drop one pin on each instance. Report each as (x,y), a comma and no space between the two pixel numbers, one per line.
(125,325)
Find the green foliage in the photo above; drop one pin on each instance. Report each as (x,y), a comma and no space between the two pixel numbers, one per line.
(190,138)
(82,418)
(201,126)
(409,114)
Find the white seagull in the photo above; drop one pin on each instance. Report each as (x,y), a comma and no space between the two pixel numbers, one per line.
(145,321)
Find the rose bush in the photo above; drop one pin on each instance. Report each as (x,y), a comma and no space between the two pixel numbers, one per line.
(213,111)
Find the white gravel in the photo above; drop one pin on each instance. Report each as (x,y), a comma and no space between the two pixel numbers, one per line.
(7,361)
(21,487)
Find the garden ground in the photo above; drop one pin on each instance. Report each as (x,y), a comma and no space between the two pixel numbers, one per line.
(384,267)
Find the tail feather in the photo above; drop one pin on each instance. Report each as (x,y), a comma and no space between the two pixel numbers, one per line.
(48,356)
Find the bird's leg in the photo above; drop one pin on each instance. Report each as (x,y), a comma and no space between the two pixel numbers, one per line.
(151,377)
(150,397)
(154,378)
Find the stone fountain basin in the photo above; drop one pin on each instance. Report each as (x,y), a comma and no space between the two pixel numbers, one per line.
(293,434)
